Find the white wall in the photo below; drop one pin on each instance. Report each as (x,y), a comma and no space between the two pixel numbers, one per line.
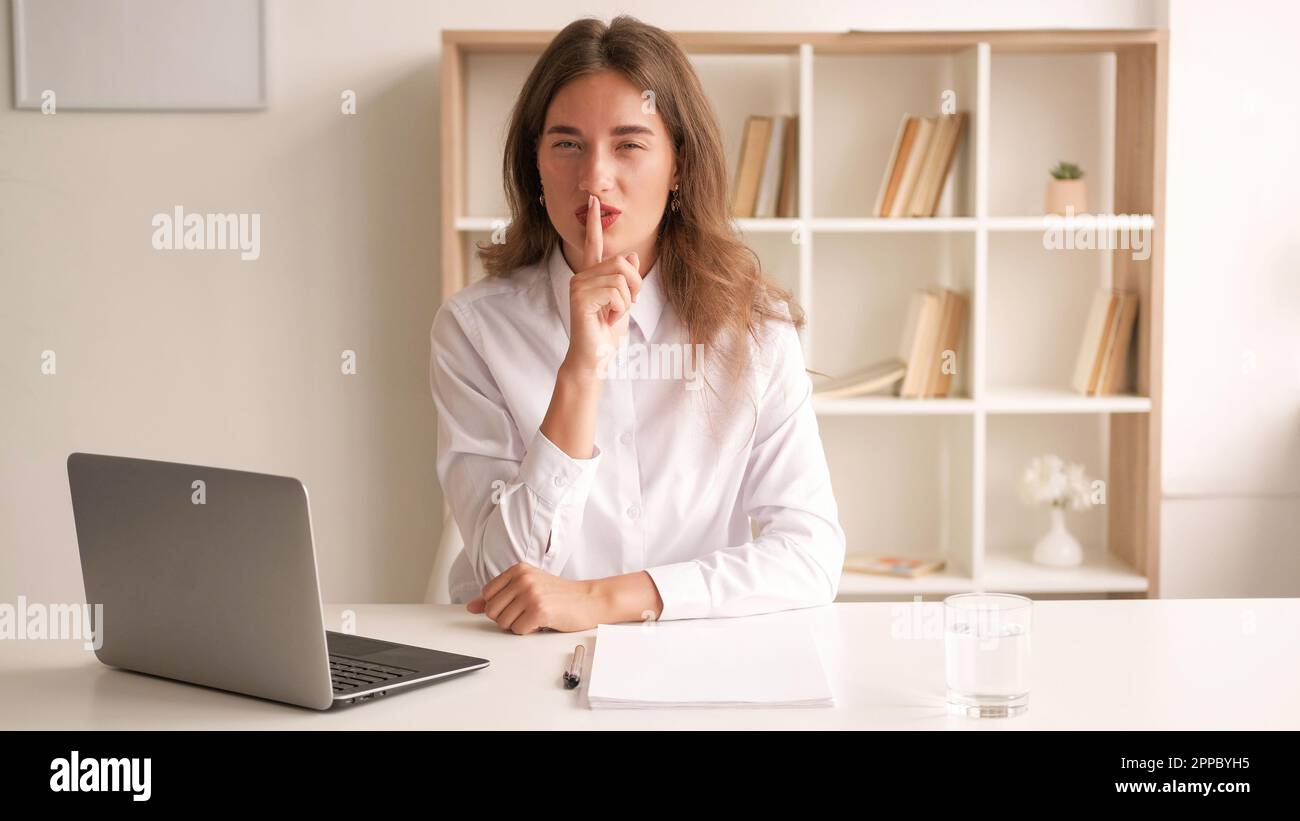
(1231,523)
(196,356)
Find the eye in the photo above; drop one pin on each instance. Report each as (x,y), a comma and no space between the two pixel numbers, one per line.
(562,143)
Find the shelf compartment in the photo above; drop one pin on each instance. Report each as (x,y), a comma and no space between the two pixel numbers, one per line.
(469,242)
(778,258)
(1037,310)
(1012,527)
(852,144)
(742,85)
(1045,108)
(492,81)
(862,287)
(904,486)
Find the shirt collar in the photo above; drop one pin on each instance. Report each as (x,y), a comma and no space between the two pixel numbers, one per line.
(645,312)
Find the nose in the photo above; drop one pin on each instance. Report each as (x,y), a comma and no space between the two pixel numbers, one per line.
(596,175)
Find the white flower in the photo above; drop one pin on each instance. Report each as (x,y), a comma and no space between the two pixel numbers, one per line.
(1048,480)
(1080,490)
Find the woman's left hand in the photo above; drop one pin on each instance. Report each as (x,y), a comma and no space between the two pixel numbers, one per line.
(524,599)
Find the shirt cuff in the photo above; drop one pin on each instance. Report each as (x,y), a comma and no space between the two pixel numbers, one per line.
(683,590)
(556,476)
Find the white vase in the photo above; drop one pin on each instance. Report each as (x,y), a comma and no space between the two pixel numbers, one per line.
(1058,548)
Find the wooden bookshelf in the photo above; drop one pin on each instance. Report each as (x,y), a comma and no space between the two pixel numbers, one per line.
(931,476)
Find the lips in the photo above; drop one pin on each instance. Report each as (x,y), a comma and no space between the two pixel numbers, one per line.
(608,215)
(605,211)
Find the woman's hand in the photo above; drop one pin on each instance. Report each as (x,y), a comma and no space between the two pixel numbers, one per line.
(600,296)
(524,599)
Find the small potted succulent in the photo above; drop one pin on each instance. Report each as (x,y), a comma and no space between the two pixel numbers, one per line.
(1048,480)
(1066,192)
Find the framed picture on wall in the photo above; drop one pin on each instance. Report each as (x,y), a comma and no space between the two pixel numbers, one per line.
(139,55)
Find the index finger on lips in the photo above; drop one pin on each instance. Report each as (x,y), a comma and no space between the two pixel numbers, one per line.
(594,248)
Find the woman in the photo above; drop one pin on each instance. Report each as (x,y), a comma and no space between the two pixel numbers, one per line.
(593,482)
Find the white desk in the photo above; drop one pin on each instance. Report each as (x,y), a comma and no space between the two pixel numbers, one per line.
(1106,664)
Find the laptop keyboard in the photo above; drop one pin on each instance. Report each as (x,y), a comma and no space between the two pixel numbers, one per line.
(351,674)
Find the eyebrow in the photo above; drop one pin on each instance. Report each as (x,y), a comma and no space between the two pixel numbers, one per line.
(616,131)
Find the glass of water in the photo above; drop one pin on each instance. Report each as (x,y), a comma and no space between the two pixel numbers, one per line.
(986,644)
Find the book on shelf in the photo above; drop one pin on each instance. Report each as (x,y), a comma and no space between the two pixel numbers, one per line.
(749,171)
(920,342)
(767,179)
(903,566)
(770,181)
(874,378)
(935,325)
(787,200)
(919,165)
(952,329)
(1117,356)
(1101,365)
(911,168)
(894,171)
(937,164)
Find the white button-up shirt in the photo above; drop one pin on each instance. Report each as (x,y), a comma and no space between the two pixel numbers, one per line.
(664,491)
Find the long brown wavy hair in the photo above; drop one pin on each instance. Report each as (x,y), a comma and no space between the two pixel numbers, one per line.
(712,279)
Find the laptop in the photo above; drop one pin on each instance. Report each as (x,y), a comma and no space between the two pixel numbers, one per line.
(208,575)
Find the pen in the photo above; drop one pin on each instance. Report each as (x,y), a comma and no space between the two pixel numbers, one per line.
(573,675)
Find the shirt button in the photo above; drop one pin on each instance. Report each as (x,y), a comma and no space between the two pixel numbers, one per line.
(633,512)
(626,438)
(559,482)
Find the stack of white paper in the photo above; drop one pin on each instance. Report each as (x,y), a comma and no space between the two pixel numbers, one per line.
(698,663)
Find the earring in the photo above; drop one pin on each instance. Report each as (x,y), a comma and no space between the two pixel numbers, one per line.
(675,205)
(541,198)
